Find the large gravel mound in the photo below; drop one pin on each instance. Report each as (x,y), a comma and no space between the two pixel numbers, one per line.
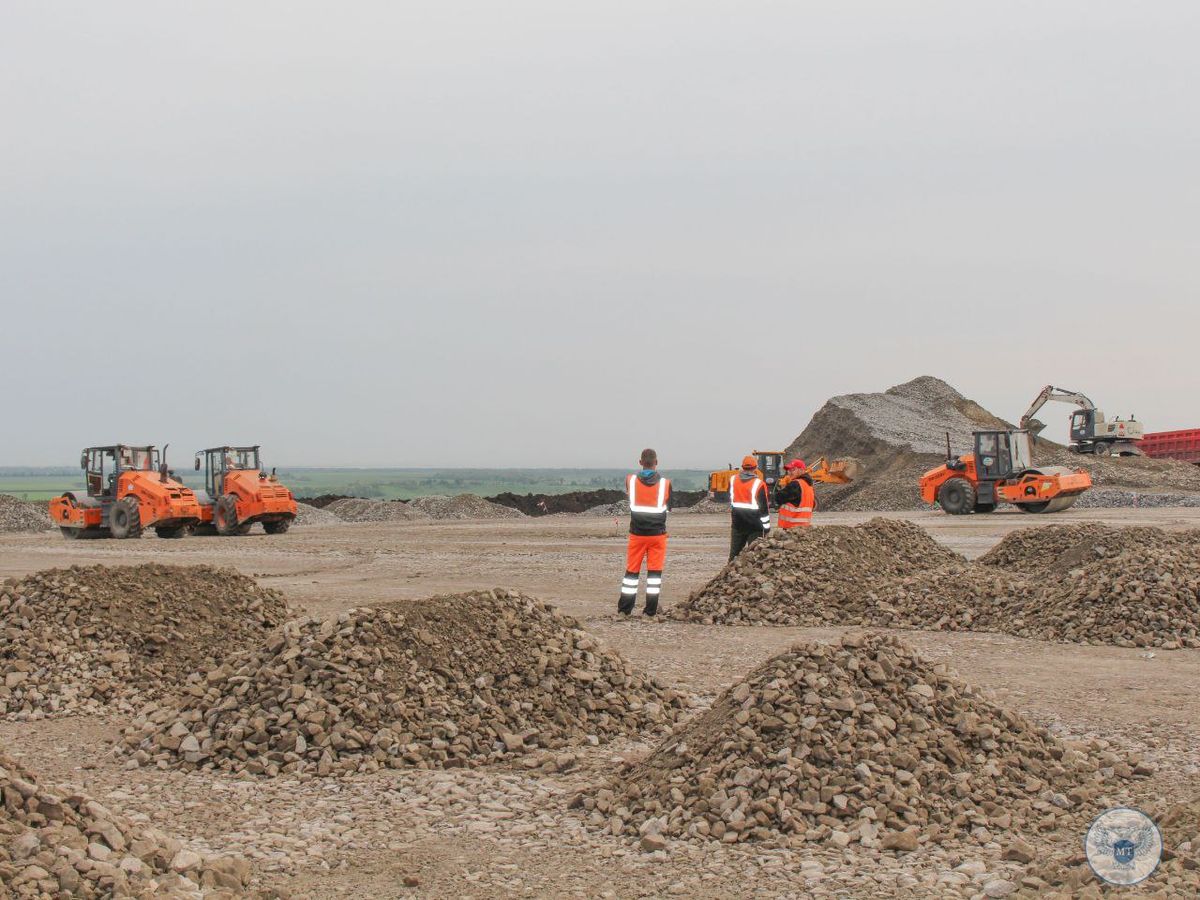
(452,681)
(79,639)
(1132,587)
(18,515)
(64,844)
(357,509)
(813,576)
(315,515)
(900,434)
(462,506)
(863,741)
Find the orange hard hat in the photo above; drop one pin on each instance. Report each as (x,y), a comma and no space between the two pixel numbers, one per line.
(796,464)
(749,462)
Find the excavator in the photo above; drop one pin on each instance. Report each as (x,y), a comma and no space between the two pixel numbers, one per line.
(129,489)
(1090,431)
(1001,470)
(238,493)
(770,467)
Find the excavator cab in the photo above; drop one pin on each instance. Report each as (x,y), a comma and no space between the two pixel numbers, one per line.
(1083,426)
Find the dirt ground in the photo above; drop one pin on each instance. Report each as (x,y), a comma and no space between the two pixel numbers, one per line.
(507,832)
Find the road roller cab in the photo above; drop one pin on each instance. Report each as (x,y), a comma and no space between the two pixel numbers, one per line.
(129,489)
(238,492)
(1001,470)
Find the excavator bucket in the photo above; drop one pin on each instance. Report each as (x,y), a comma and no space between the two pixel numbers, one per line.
(1034,426)
(839,471)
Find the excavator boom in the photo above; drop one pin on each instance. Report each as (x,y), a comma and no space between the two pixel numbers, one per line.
(1048,393)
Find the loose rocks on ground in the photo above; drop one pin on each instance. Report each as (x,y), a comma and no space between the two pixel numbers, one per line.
(356,509)
(18,515)
(862,741)
(78,639)
(452,681)
(63,844)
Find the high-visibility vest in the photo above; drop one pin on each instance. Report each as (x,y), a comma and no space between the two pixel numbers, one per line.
(648,498)
(798,515)
(744,494)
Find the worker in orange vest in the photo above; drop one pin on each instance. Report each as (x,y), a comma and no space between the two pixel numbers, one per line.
(649,498)
(749,507)
(796,496)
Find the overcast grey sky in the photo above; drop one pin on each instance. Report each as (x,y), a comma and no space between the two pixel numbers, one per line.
(546,233)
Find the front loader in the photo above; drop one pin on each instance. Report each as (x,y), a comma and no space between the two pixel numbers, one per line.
(238,493)
(1001,471)
(128,490)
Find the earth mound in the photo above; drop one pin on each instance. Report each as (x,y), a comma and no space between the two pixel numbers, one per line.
(813,576)
(18,515)
(79,639)
(452,681)
(64,844)
(900,434)
(862,741)
(462,506)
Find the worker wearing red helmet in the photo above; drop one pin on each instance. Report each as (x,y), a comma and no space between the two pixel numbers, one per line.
(749,507)
(649,499)
(796,497)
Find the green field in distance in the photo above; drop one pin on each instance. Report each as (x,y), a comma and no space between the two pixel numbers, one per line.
(387,484)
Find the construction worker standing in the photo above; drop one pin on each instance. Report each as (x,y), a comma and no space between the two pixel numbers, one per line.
(649,497)
(749,507)
(796,497)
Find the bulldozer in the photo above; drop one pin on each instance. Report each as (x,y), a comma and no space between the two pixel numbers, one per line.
(1001,470)
(770,468)
(1090,431)
(238,493)
(128,489)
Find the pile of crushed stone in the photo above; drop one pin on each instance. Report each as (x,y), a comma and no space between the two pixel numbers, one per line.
(357,509)
(18,515)
(56,843)
(84,638)
(462,506)
(900,434)
(817,576)
(1091,583)
(857,742)
(452,681)
(315,515)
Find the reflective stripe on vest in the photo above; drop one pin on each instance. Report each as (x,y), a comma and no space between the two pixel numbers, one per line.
(636,487)
(744,494)
(792,516)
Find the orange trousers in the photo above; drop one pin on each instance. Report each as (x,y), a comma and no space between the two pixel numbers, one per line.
(652,549)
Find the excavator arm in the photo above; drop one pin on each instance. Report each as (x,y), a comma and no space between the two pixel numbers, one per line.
(1050,392)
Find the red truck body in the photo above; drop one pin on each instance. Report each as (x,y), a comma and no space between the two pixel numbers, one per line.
(1183,444)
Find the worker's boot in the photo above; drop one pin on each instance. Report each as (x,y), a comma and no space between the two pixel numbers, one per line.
(629,588)
(653,589)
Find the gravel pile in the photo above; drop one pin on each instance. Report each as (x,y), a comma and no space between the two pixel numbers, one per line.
(859,742)
(80,639)
(18,515)
(620,508)
(813,576)
(462,506)
(453,681)
(1131,587)
(64,844)
(1109,498)
(313,515)
(357,509)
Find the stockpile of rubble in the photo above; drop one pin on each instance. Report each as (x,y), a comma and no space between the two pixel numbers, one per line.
(462,506)
(813,576)
(80,639)
(453,681)
(18,515)
(858,742)
(357,509)
(900,434)
(315,515)
(1132,587)
(63,844)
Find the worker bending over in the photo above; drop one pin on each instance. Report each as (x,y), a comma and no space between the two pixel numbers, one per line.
(796,497)
(749,507)
(649,496)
